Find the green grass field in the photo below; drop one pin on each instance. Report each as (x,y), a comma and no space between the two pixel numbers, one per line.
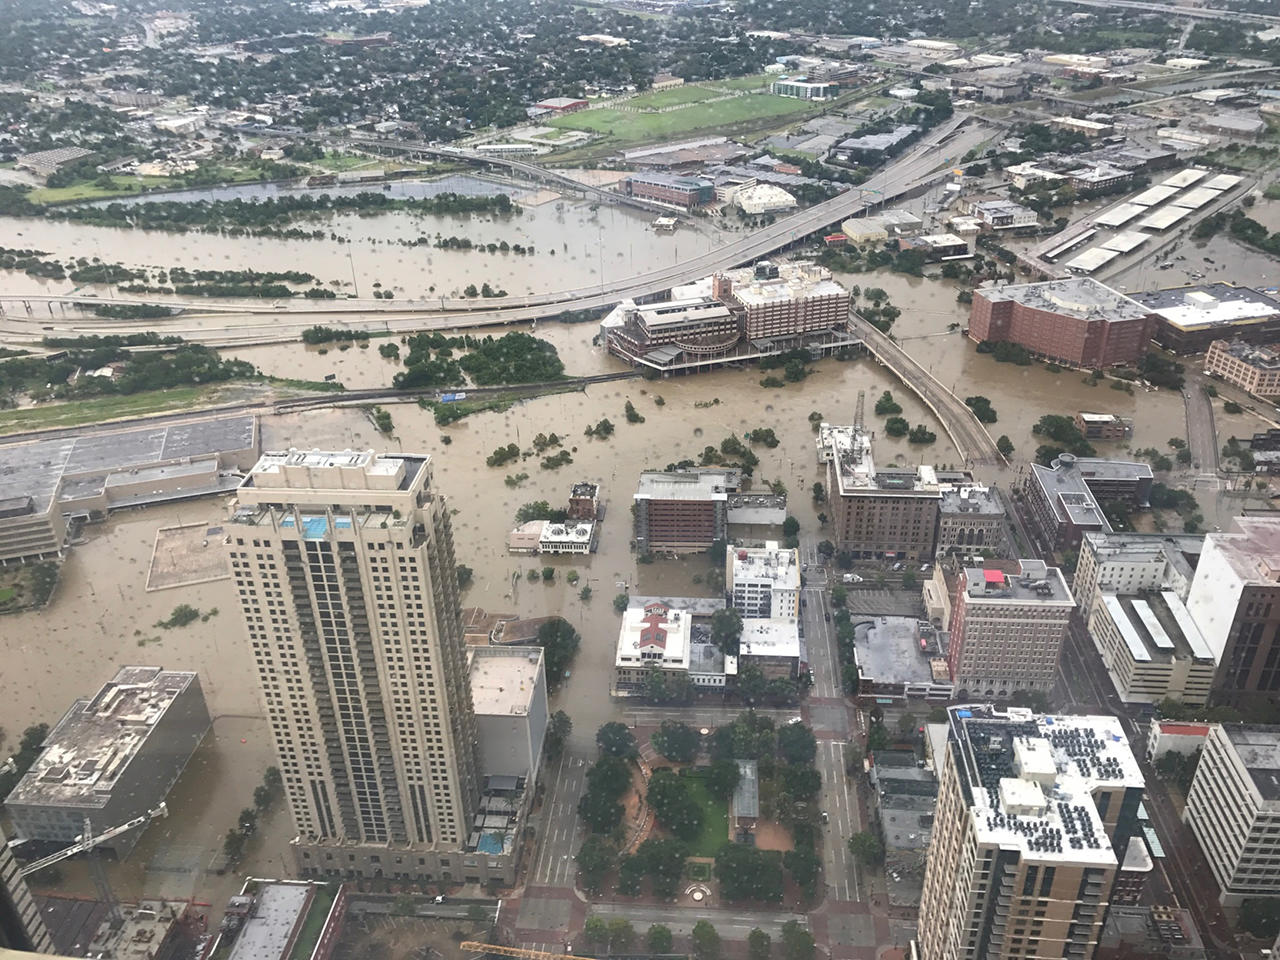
(715,819)
(641,127)
(753,82)
(74,413)
(341,162)
(321,902)
(125,186)
(673,97)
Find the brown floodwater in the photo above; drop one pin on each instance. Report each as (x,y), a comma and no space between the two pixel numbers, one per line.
(577,244)
(102,617)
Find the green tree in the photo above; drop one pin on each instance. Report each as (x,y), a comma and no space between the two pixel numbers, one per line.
(673,805)
(726,630)
(559,726)
(759,945)
(797,744)
(663,860)
(897,427)
(1004,445)
(746,873)
(907,724)
(596,930)
(600,812)
(867,848)
(839,596)
(233,845)
(465,576)
(804,864)
(886,406)
(658,938)
(1261,917)
(620,602)
(722,778)
(676,741)
(596,858)
(706,941)
(615,740)
(819,493)
(790,526)
(621,934)
(559,642)
(797,941)
(585,593)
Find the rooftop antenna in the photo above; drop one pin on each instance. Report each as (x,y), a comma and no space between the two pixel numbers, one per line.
(859,412)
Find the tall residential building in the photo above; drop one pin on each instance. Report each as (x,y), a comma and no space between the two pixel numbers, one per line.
(889,512)
(345,568)
(764,581)
(1007,628)
(1235,600)
(1078,321)
(1034,817)
(1233,806)
(681,512)
(21,926)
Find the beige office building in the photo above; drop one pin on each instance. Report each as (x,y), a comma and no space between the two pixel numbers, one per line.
(345,568)
(1007,627)
(1031,811)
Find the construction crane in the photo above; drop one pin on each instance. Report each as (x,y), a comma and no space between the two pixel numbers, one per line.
(520,953)
(89,842)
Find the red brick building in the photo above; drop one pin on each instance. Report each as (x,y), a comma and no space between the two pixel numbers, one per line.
(1078,322)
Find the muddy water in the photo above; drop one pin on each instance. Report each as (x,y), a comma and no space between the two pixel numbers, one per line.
(358,368)
(577,245)
(103,618)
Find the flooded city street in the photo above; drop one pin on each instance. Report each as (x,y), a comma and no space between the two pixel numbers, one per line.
(103,617)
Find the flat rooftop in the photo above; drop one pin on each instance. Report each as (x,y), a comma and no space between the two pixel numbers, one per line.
(692,485)
(850,450)
(1261,358)
(796,280)
(1253,553)
(1036,582)
(1180,550)
(83,463)
(770,637)
(1029,779)
(780,567)
(879,141)
(1156,627)
(1258,748)
(94,742)
(503,679)
(890,650)
(336,470)
(1208,304)
(278,908)
(1079,297)
(970,501)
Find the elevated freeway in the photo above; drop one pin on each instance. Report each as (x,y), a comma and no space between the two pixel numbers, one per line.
(1179,10)
(970,437)
(25,319)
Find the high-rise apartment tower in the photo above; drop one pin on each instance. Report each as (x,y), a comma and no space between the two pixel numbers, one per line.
(345,569)
(1023,856)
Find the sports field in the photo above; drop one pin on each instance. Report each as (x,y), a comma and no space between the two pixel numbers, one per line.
(673,97)
(626,127)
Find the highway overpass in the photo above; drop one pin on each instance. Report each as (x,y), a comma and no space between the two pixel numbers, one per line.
(27,319)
